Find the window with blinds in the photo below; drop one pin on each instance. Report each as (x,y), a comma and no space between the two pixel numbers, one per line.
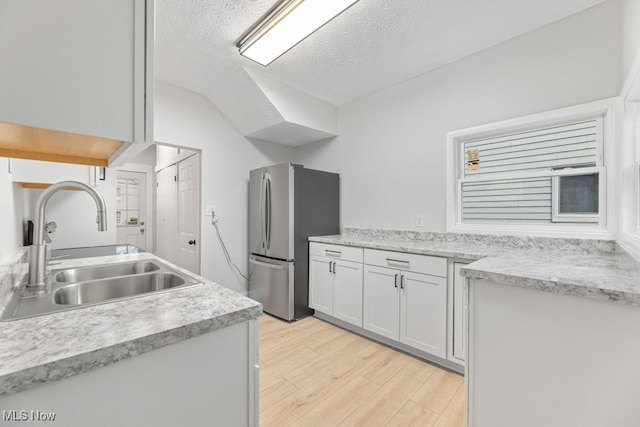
(543,175)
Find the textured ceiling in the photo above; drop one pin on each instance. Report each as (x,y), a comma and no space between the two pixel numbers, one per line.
(372,45)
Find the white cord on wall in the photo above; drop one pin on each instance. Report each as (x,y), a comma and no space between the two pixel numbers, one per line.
(234,268)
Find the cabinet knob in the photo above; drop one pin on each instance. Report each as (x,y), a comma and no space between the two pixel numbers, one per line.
(192,242)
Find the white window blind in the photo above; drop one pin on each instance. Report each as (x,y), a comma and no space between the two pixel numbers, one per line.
(509,177)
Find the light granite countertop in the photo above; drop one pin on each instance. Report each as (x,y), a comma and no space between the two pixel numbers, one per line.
(587,268)
(51,347)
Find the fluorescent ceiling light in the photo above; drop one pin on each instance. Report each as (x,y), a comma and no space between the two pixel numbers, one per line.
(286,25)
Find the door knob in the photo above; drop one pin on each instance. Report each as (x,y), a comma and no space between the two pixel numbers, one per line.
(142,223)
(142,230)
(192,242)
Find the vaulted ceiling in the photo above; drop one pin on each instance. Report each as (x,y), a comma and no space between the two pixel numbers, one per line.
(371,46)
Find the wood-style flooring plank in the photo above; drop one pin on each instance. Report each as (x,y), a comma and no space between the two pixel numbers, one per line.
(338,406)
(302,401)
(392,396)
(311,373)
(412,414)
(436,393)
(389,362)
(455,413)
(275,392)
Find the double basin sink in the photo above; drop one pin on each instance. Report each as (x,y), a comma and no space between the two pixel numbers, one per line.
(85,286)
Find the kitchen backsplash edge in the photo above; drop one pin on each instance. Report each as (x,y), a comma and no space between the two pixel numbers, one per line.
(505,241)
(12,273)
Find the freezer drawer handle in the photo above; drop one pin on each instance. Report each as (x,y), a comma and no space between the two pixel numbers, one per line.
(266,264)
(330,252)
(397,261)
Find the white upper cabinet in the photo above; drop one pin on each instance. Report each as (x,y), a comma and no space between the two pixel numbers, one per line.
(78,66)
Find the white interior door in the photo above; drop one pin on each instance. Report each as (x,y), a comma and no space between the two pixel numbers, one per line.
(131,209)
(167,213)
(189,214)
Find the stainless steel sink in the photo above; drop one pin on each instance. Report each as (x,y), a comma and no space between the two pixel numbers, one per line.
(86,286)
(119,287)
(104,271)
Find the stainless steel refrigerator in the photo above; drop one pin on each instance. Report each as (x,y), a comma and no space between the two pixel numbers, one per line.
(287,204)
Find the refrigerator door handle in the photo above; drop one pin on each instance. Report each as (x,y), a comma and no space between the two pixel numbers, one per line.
(266,264)
(262,210)
(268,210)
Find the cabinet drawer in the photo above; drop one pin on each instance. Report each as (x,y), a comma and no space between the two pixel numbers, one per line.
(347,253)
(436,266)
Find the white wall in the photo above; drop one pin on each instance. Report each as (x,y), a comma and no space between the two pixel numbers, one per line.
(188,119)
(630,12)
(147,157)
(73,211)
(10,214)
(296,106)
(390,151)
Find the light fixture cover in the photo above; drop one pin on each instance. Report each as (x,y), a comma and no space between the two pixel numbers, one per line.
(289,24)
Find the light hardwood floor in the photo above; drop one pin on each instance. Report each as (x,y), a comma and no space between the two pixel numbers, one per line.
(316,374)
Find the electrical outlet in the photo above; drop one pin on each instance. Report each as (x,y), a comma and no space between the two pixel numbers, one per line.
(211,210)
(419,220)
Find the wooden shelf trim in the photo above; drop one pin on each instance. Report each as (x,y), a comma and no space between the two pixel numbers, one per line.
(48,157)
(25,142)
(42,186)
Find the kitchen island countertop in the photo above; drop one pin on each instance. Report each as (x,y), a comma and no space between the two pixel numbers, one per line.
(50,347)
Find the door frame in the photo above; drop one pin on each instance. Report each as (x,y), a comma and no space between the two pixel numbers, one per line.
(190,152)
(150,194)
(198,220)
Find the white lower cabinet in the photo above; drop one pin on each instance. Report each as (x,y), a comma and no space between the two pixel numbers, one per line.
(347,291)
(320,284)
(382,301)
(459,330)
(335,283)
(423,312)
(397,297)
(406,306)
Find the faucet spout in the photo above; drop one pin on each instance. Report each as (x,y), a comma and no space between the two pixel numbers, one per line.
(37,280)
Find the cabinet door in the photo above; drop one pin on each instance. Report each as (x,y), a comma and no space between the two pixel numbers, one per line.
(459,313)
(347,292)
(320,284)
(423,314)
(381,309)
(77,66)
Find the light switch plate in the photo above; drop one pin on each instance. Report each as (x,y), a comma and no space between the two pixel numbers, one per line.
(419,220)
(210,210)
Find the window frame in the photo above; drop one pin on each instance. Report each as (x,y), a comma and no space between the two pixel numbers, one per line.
(605,154)
(558,217)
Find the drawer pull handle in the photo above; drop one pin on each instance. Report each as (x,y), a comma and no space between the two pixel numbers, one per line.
(397,261)
(330,252)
